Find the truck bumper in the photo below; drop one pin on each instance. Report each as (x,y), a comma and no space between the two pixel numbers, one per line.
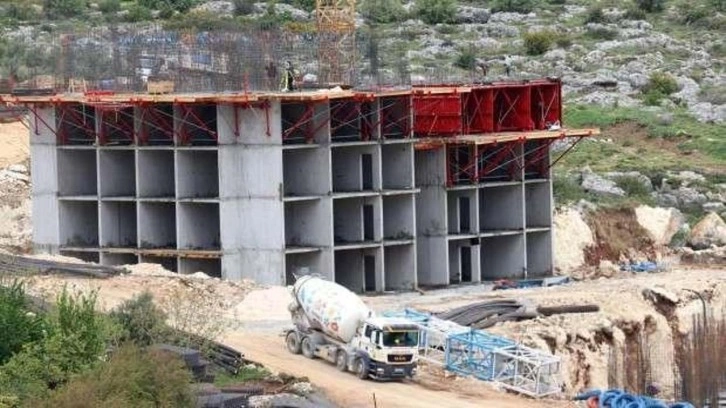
(384,371)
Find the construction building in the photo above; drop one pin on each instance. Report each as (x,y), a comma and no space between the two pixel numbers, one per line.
(378,191)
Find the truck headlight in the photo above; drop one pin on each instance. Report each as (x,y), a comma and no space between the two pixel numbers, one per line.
(379,370)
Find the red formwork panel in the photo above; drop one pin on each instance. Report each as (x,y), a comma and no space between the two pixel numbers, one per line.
(546,104)
(478,111)
(512,108)
(437,114)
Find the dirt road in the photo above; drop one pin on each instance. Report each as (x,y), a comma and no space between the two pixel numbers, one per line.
(13,143)
(348,391)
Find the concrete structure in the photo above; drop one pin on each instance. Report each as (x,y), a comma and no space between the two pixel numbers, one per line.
(361,188)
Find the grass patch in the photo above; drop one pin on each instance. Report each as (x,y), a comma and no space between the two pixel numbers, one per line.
(246,374)
(683,130)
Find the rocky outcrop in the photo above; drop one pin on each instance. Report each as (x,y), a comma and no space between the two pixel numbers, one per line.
(710,231)
(660,223)
(597,184)
(571,236)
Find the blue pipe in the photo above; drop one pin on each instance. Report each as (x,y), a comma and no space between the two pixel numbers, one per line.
(622,399)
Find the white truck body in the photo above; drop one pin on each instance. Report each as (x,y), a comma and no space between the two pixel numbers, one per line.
(334,324)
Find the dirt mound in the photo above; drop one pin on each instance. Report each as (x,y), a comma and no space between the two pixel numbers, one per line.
(14,144)
(618,237)
(572,236)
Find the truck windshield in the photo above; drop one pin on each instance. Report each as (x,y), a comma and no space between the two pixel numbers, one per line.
(400,339)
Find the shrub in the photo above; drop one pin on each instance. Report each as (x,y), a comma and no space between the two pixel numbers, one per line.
(538,42)
(566,189)
(595,15)
(178,5)
(719,5)
(137,13)
(714,94)
(243,7)
(466,59)
(21,12)
(563,41)
(64,8)
(75,341)
(436,11)
(634,13)
(602,33)
(517,6)
(19,325)
(141,321)
(662,83)
(650,6)
(131,378)
(109,6)
(633,187)
(382,11)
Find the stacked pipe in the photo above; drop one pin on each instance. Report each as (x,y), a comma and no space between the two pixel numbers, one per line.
(483,315)
(19,265)
(622,399)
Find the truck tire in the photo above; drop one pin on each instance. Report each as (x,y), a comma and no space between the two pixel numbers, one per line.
(341,361)
(360,368)
(307,347)
(293,342)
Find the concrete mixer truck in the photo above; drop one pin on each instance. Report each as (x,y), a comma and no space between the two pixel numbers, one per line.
(333,324)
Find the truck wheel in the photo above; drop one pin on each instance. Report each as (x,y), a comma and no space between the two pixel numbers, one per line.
(360,368)
(341,361)
(293,343)
(307,348)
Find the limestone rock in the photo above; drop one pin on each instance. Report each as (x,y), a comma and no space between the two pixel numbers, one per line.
(597,184)
(711,230)
(689,196)
(713,206)
(661,223)
(640,178)
(472,15)
(18,168)
(572,236)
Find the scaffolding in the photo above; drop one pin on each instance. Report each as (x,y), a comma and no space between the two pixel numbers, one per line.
(478,354)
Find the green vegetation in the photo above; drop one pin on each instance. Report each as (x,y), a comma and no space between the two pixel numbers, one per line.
(659,86)
(650,6)
(436,11)
(693,144)
(72,356)
(518,6)
(538,42)
(247,373)
(595,15)
(466,59)
(133,377)
(382,11)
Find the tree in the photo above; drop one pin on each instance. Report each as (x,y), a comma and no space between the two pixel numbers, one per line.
(436,11)
(64,8)
(181,6)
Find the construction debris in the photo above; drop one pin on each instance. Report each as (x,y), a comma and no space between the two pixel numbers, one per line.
(621,399)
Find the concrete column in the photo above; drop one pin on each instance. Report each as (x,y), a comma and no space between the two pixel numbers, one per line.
(431,214)
(250,190)
(44,173)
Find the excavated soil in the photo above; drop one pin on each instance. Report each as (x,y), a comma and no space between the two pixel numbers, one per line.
(618,237)
(14,143)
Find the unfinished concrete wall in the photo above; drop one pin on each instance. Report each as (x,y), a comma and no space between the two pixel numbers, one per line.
(399,217)
(538,201)
(463,211)
(157,225)
(307,223)
(110,258)
(79,223)
(501,207)
(118,224)
(306,170)
(155,173)
(77,172)
(198,226)
(197,174)
(400,267)
(117,172)
(502,257)
(397,166)
(539,254)
(356,168)
(211,267)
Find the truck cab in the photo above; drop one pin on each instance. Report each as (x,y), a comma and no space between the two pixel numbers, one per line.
(389,347)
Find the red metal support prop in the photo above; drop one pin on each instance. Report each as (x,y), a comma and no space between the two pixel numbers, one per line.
(69,117)
(392,125)
(498,161)
(152,118)
(36,118)
(572,146)
(305,124)
(191,119)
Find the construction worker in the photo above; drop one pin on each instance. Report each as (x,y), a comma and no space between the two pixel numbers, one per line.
(271,71)
(288,79)
(507,66)
(484,67)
